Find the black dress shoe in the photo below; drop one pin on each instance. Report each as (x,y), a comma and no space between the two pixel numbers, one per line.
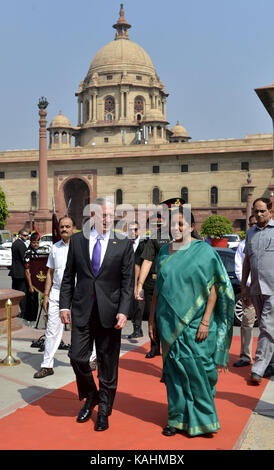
(86,411)
(241,363)
(255,378)
(169,431)
(101,422)
(152,353)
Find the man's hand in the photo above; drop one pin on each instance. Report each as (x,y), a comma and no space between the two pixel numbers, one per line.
(138,292)
(45,303)
(65,316)
(121,321)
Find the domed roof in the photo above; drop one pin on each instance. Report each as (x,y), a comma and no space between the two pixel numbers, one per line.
(60,121)
(179,131)
(154,115)
(121,54)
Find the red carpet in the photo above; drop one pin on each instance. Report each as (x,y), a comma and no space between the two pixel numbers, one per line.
(140,412)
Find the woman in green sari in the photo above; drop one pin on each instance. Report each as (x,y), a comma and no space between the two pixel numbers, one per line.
(193,307)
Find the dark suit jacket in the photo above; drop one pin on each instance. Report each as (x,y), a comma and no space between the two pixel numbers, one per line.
(18,249)
(113,286)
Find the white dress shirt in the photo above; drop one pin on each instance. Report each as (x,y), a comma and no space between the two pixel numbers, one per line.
(57,261)
(239,260)
(136,243)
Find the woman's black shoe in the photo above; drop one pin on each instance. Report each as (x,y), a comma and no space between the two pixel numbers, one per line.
(169,431)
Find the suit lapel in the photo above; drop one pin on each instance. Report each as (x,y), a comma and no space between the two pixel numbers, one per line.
(112,243)
(85,249)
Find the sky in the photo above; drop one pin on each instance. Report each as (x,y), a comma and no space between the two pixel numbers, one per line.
(210,55)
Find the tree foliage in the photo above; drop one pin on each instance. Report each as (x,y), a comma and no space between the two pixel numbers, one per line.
(4,213)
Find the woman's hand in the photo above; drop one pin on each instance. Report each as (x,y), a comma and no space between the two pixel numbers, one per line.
(202,332)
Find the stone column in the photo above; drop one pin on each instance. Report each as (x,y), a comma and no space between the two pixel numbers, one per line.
(43,162)
(249,193)
(43,216)
(95,106)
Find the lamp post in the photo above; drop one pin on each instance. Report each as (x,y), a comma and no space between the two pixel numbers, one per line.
(249,188)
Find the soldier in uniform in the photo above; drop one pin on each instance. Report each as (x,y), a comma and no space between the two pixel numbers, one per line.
(32,295)
(137,307)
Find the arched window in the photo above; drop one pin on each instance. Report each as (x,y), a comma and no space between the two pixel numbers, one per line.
(64,137)
(109,108)
(119,196)
(56,137)
(33,200)
(214,196)
(184,194)
(243,194)
(156,196)
(139,107)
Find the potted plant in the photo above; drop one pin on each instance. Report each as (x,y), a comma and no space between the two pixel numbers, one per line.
(215,227)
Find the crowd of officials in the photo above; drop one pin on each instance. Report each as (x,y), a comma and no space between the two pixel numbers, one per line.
(176,282)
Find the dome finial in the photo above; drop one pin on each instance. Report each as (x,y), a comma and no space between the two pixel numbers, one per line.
(121,26)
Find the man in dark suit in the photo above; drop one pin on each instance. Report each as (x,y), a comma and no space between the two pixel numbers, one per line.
(103,264)
(137,307)
(17,271)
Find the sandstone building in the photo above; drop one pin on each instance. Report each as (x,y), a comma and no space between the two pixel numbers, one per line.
(123,145)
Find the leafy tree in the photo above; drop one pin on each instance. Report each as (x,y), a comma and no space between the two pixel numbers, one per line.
(4,213)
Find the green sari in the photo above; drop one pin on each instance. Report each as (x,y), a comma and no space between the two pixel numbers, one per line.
(184,281)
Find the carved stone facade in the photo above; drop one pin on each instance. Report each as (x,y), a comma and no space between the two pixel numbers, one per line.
(124,148)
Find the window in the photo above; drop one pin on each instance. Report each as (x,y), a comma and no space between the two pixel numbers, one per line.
(109,108)
(109,77)
(56,137)
(139,77)
(243,194)
(156,169)
(245,166)
(214,196)
(2,175)
(119,196)
(33,174)
(139,107)
(33,200)
(214,167)
(106,139)
(184,194)
(184,168)
(119,170)
(156,196)
(64,137)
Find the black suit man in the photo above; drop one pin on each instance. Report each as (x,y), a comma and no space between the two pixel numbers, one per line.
(17,271)
(100,302)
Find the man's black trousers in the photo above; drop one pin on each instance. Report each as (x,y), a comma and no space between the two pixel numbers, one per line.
(107,344)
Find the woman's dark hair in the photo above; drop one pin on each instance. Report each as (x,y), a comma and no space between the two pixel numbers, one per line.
(187,214)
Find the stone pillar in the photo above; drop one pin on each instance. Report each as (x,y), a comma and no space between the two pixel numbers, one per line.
(249,193)
(43,216)
(43,162)
(95,106)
